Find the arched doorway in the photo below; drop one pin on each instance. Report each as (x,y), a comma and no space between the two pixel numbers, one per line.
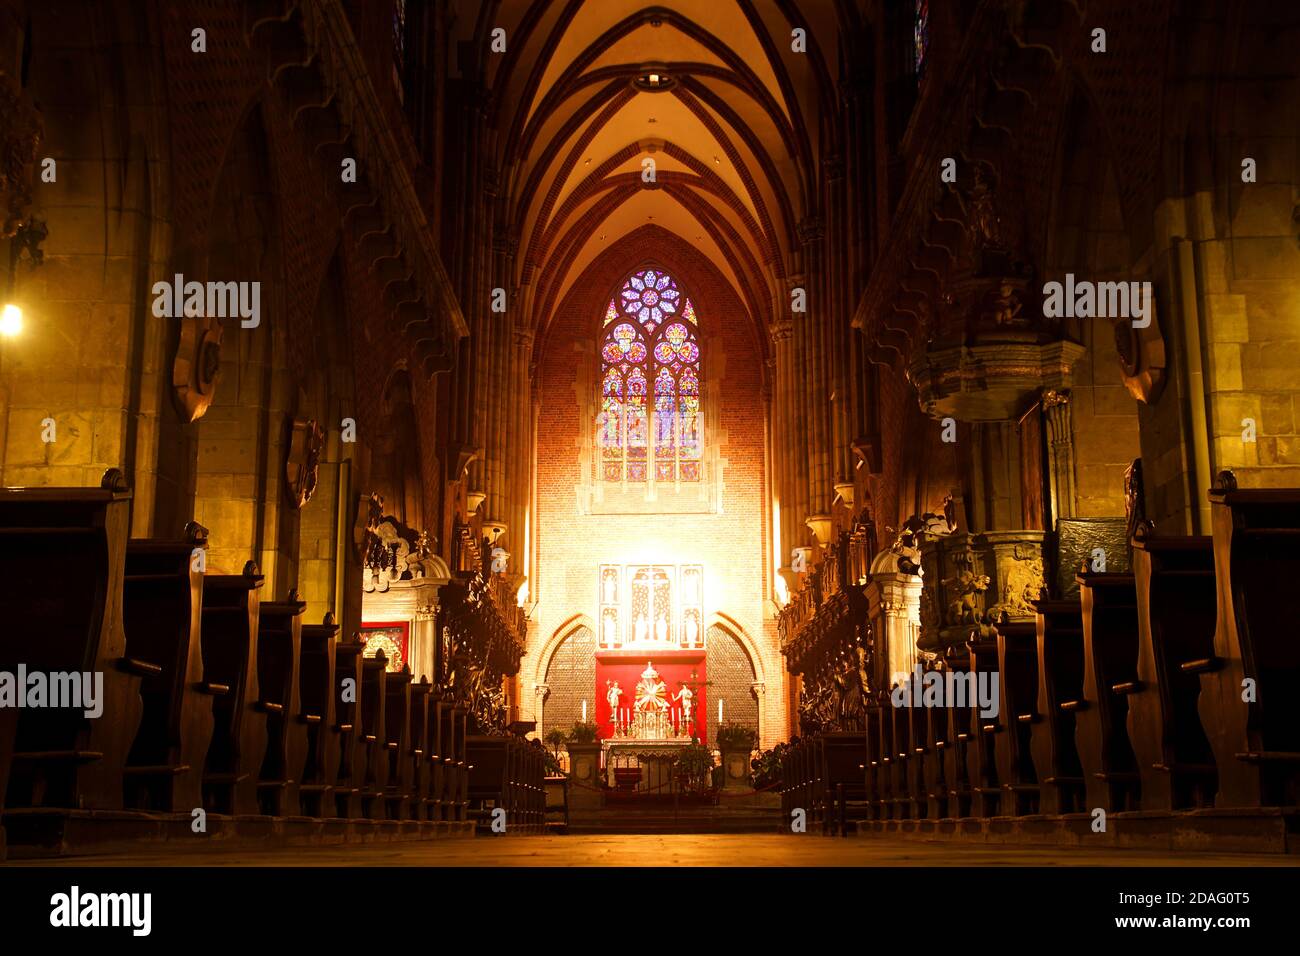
(731,681)
(570,679)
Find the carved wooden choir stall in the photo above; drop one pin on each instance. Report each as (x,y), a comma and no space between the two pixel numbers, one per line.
(1162,695)
(221,705)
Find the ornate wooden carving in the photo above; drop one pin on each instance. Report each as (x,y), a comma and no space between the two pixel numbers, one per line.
(20,137)
(302,466)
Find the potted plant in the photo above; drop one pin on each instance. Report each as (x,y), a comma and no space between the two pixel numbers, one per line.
(556,740)
(695,767)
(736,741)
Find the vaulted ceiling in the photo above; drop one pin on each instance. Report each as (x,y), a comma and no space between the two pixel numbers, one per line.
(737,127)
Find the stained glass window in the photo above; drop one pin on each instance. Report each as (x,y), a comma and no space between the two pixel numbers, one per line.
(920,35)
(650,343)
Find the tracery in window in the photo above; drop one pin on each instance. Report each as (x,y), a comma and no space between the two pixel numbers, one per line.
(650,340)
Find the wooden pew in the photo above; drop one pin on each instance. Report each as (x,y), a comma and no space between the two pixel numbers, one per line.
(399,785)
(960,786)
(460,716)
(373,759)
(279,658)
(422,732)
(872,717)
(1017,644)
(318,715)
(353,749)
(62,560)
(438,756)
(447,727)
(1176,618)
(938,793)
(162,607)
(844,754)
(1256,741)
(910,724)
(489,779)
(1110,652)
(1059,632)
(229,642)
(981,747)
(876,714)
(8,730)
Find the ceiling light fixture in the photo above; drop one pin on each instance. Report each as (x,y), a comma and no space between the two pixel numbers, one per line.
(653,79)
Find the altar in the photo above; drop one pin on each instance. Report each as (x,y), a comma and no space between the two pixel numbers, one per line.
(645,739)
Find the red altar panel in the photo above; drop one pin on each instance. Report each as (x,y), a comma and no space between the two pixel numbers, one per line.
(674,666)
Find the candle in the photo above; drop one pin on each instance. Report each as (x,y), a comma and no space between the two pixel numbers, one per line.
(584,711)
(719,710)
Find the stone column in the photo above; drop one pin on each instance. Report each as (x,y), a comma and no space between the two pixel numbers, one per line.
(783,434)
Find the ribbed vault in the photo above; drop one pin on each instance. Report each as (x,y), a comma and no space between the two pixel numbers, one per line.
(736,128)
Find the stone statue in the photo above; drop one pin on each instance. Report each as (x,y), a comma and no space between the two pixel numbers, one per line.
(661,629)
(685,697)
(642,628)
(615,694)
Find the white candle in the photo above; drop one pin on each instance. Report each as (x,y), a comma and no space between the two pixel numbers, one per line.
(719,710)
(584,711)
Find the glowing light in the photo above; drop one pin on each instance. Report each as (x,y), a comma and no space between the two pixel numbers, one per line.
(11,320)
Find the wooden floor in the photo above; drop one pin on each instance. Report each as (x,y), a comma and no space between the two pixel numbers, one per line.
(669,850)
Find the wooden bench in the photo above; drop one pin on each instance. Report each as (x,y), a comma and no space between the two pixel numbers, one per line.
(162,608)
(372,761)
(1110,652)
(959,786)
(1059,633)
(1176,617)
(981,745)
(1255,736)
(279,658)
(844,754)
(875,714)
(399,785)
(353,749)
(915,747)
(938,794)
(62,559)
(1017,644)
(490,778)
(8,729)
(229,642)
(417,754)
(458,781)
(318,713)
